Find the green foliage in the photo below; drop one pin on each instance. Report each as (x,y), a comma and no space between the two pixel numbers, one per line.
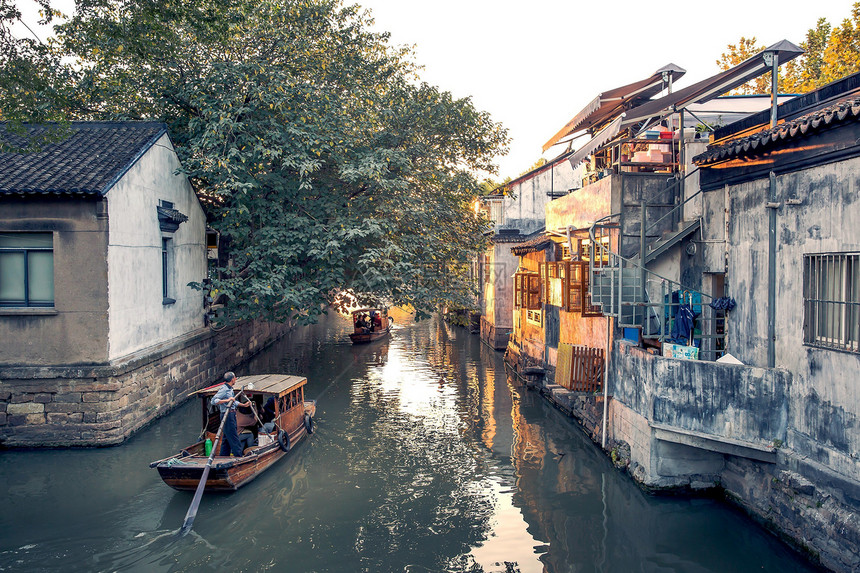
(830,54)
(737,53)
(536,165)
(807,72)
(841,55)
(309,138)
(22,83)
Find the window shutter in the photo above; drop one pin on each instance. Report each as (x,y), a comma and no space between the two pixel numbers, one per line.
(588,309)
(546,275)
(543,279)
(575,286)
(518,290)
(533,297)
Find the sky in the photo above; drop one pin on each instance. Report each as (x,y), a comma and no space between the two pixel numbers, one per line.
(533,65)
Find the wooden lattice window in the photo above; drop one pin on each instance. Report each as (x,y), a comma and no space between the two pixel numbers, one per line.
(585,249)
(573,285)
(574,291)
(532,298)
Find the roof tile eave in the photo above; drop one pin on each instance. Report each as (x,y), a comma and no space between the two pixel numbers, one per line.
(88,162)
(798,127)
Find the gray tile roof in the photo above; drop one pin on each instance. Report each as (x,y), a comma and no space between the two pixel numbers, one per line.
(89,162)
(535,242)
(509,236)
(769,139)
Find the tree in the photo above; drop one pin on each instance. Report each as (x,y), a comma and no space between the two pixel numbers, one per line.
(841,56)
(830,54)
(536,165)
(806,72)
(22,60)
(737,53)
(310,139)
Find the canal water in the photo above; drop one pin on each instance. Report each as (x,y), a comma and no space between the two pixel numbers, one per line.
(425,459)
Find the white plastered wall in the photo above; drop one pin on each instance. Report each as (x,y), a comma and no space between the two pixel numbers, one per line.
(138,317)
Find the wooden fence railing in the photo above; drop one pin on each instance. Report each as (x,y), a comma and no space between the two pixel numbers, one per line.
(580,368)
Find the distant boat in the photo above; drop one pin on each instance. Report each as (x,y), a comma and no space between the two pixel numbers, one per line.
(292,418)
(369,324)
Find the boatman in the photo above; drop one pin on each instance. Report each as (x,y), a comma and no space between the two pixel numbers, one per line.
(225,399)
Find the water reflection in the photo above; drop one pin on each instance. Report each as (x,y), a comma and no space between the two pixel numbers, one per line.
(425,459)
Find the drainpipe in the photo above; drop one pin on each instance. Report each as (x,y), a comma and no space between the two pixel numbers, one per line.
(606,383)
(771,272)
(569,243)
(772,205)
(682,165)
(642,276)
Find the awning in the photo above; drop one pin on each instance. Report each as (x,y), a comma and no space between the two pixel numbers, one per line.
(609,103)
(604,135)
(712,87)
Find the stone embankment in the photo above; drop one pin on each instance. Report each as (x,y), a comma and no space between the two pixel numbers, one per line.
(104,404)
(815,516)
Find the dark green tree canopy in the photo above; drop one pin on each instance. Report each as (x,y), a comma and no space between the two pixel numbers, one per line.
(310,139)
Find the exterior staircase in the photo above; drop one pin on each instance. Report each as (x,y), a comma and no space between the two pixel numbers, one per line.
(620,287)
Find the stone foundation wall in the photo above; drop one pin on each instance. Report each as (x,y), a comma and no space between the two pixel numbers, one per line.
(808,515)
(105,404)
(806,504)
(496,338)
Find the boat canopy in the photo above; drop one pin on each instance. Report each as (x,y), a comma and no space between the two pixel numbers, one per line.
(368,309)
(276,384)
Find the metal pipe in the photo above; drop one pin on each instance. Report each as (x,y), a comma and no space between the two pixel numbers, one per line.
(700,120)
(771,232)
(771,276)
(606,383)
(662,311)
(669,92)
(682,163)
(774,89)
(642,271)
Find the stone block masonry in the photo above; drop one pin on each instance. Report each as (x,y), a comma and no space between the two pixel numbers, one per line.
(104,404)
(807,504)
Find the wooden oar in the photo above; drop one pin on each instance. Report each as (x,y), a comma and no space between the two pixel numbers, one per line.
(195,503)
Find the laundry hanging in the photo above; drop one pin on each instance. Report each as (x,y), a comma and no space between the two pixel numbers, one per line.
(726,303)
(685,316)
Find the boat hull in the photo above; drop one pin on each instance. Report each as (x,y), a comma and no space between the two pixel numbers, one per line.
(365,337)
(227,473)
(184,471)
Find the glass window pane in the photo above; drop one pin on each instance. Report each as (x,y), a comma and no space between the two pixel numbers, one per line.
(12,277)
(26,240)
(41,277)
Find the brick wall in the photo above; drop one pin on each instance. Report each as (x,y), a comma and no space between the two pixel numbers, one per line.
(105,404)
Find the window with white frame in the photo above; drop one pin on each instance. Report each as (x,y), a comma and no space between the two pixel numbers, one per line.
(27,269)
(496,211)
(831,300)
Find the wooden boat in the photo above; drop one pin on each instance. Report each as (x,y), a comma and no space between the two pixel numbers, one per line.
(290,419)
(379,325)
